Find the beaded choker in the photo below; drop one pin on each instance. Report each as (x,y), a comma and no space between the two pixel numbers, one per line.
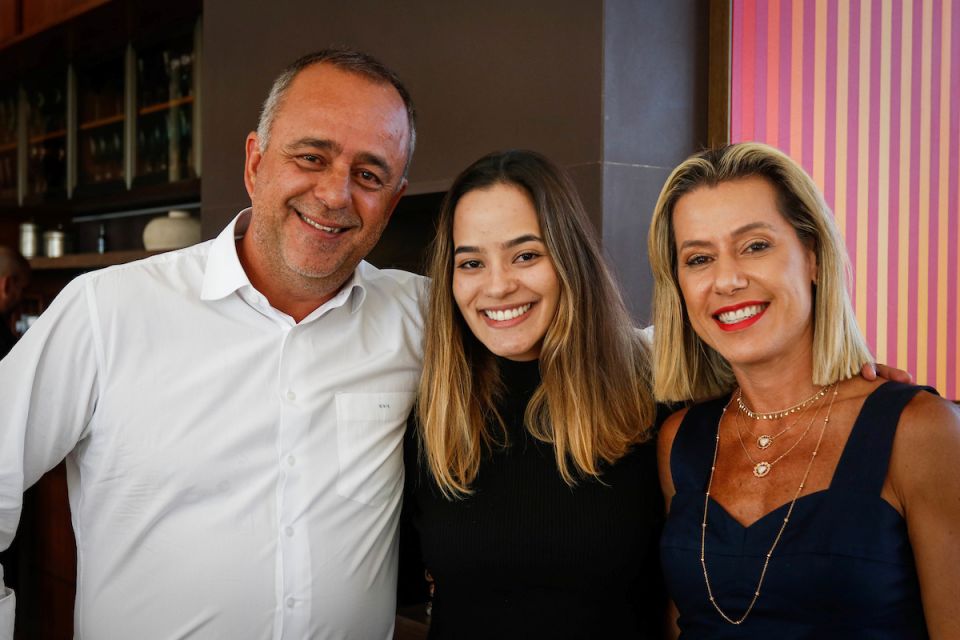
(783,413)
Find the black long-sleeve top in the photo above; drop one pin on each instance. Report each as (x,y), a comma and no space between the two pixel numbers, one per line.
(526,555)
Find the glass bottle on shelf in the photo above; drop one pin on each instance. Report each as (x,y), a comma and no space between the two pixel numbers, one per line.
(165,110)
(100,127)
(9,107)
(47,137)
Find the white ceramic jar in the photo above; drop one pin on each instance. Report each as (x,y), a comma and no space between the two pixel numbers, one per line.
(175,230)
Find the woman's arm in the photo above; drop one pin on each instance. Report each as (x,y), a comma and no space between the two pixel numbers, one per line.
(668,431)
(925,477)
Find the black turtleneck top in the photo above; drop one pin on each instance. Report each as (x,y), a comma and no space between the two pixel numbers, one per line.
(526,555)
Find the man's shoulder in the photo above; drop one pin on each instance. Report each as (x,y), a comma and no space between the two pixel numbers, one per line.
(178,266)
(396,283)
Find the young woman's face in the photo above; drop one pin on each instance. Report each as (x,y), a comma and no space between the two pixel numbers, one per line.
(745,274)
(504,281)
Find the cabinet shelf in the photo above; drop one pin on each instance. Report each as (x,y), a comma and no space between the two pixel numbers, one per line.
(163,106)
(48,136)
(7,146)
(101,122)
(79,261)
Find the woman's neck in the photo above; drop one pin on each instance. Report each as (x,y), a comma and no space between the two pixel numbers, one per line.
(775,385)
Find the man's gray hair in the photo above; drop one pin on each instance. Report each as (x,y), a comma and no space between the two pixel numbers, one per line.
(349,60)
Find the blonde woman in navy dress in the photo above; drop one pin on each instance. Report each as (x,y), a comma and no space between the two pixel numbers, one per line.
(804,501)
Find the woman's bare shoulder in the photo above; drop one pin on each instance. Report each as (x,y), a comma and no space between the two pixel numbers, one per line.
(926,448)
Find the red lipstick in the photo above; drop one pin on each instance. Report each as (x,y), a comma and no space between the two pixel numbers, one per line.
(742,324)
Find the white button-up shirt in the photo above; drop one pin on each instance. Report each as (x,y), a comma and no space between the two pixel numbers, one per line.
(232,473)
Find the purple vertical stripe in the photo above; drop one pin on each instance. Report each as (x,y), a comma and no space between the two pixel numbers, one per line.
(893,270)
(853,126)
(873,172)
(786,90)
(953,259)
(807,91)
(933,254)
(916,105)
(736,72)
(760,84)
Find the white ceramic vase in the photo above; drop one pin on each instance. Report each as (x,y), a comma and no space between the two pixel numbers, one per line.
(172,231)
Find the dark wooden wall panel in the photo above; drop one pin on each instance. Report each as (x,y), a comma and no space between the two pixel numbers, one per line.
(655,115)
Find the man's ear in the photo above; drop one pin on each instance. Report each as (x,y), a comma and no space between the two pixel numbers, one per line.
(252,162)
(395,200)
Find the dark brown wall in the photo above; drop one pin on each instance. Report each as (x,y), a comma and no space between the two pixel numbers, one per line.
(655,115)
(484,76)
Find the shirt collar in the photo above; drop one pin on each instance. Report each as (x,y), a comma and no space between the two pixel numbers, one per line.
(224,274)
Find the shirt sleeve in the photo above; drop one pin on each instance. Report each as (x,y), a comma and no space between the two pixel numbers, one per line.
(48,391)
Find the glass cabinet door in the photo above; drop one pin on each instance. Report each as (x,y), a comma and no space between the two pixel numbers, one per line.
(165,112)
(9,108)
(47,136)
(100,127)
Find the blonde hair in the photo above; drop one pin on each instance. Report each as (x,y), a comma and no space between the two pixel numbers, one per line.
(685,367)
(594,401)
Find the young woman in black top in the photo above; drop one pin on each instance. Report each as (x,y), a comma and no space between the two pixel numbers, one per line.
(531,475)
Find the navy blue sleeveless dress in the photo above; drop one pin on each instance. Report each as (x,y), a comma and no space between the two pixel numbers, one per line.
(844,567)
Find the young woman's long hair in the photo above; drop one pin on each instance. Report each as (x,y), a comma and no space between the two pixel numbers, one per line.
(594,402)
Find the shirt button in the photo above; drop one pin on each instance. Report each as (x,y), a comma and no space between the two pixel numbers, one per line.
(288,531)
(291,460)
(290,602)
(291,396)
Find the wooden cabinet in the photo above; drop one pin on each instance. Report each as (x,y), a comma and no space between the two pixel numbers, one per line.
(21,19)
(38,15)
(9,20)
(98,141)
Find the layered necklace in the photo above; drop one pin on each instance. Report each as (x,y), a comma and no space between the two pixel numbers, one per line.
(764,440)
(783,525)
(762,467)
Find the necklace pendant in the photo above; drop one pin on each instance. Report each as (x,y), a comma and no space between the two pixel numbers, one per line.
(761,469)
(764,441)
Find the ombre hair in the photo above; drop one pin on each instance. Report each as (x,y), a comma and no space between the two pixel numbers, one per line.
(685,367)
(594,401)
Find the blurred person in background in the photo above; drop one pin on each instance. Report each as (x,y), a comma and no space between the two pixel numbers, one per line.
(14,277)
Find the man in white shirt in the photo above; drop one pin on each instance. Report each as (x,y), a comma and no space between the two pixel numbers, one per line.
(232,413)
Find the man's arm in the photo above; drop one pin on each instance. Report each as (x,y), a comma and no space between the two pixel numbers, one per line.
(48,390)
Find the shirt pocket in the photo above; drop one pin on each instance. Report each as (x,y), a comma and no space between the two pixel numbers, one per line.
(370,444)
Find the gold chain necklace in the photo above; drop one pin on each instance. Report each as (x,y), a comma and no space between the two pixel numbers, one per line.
(762,468)
(765,440)
(783,413)
(783,526)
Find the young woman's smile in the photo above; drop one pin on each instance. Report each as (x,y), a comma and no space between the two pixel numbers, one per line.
(504,281)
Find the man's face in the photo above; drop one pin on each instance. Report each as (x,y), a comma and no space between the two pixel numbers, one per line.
(325,186)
